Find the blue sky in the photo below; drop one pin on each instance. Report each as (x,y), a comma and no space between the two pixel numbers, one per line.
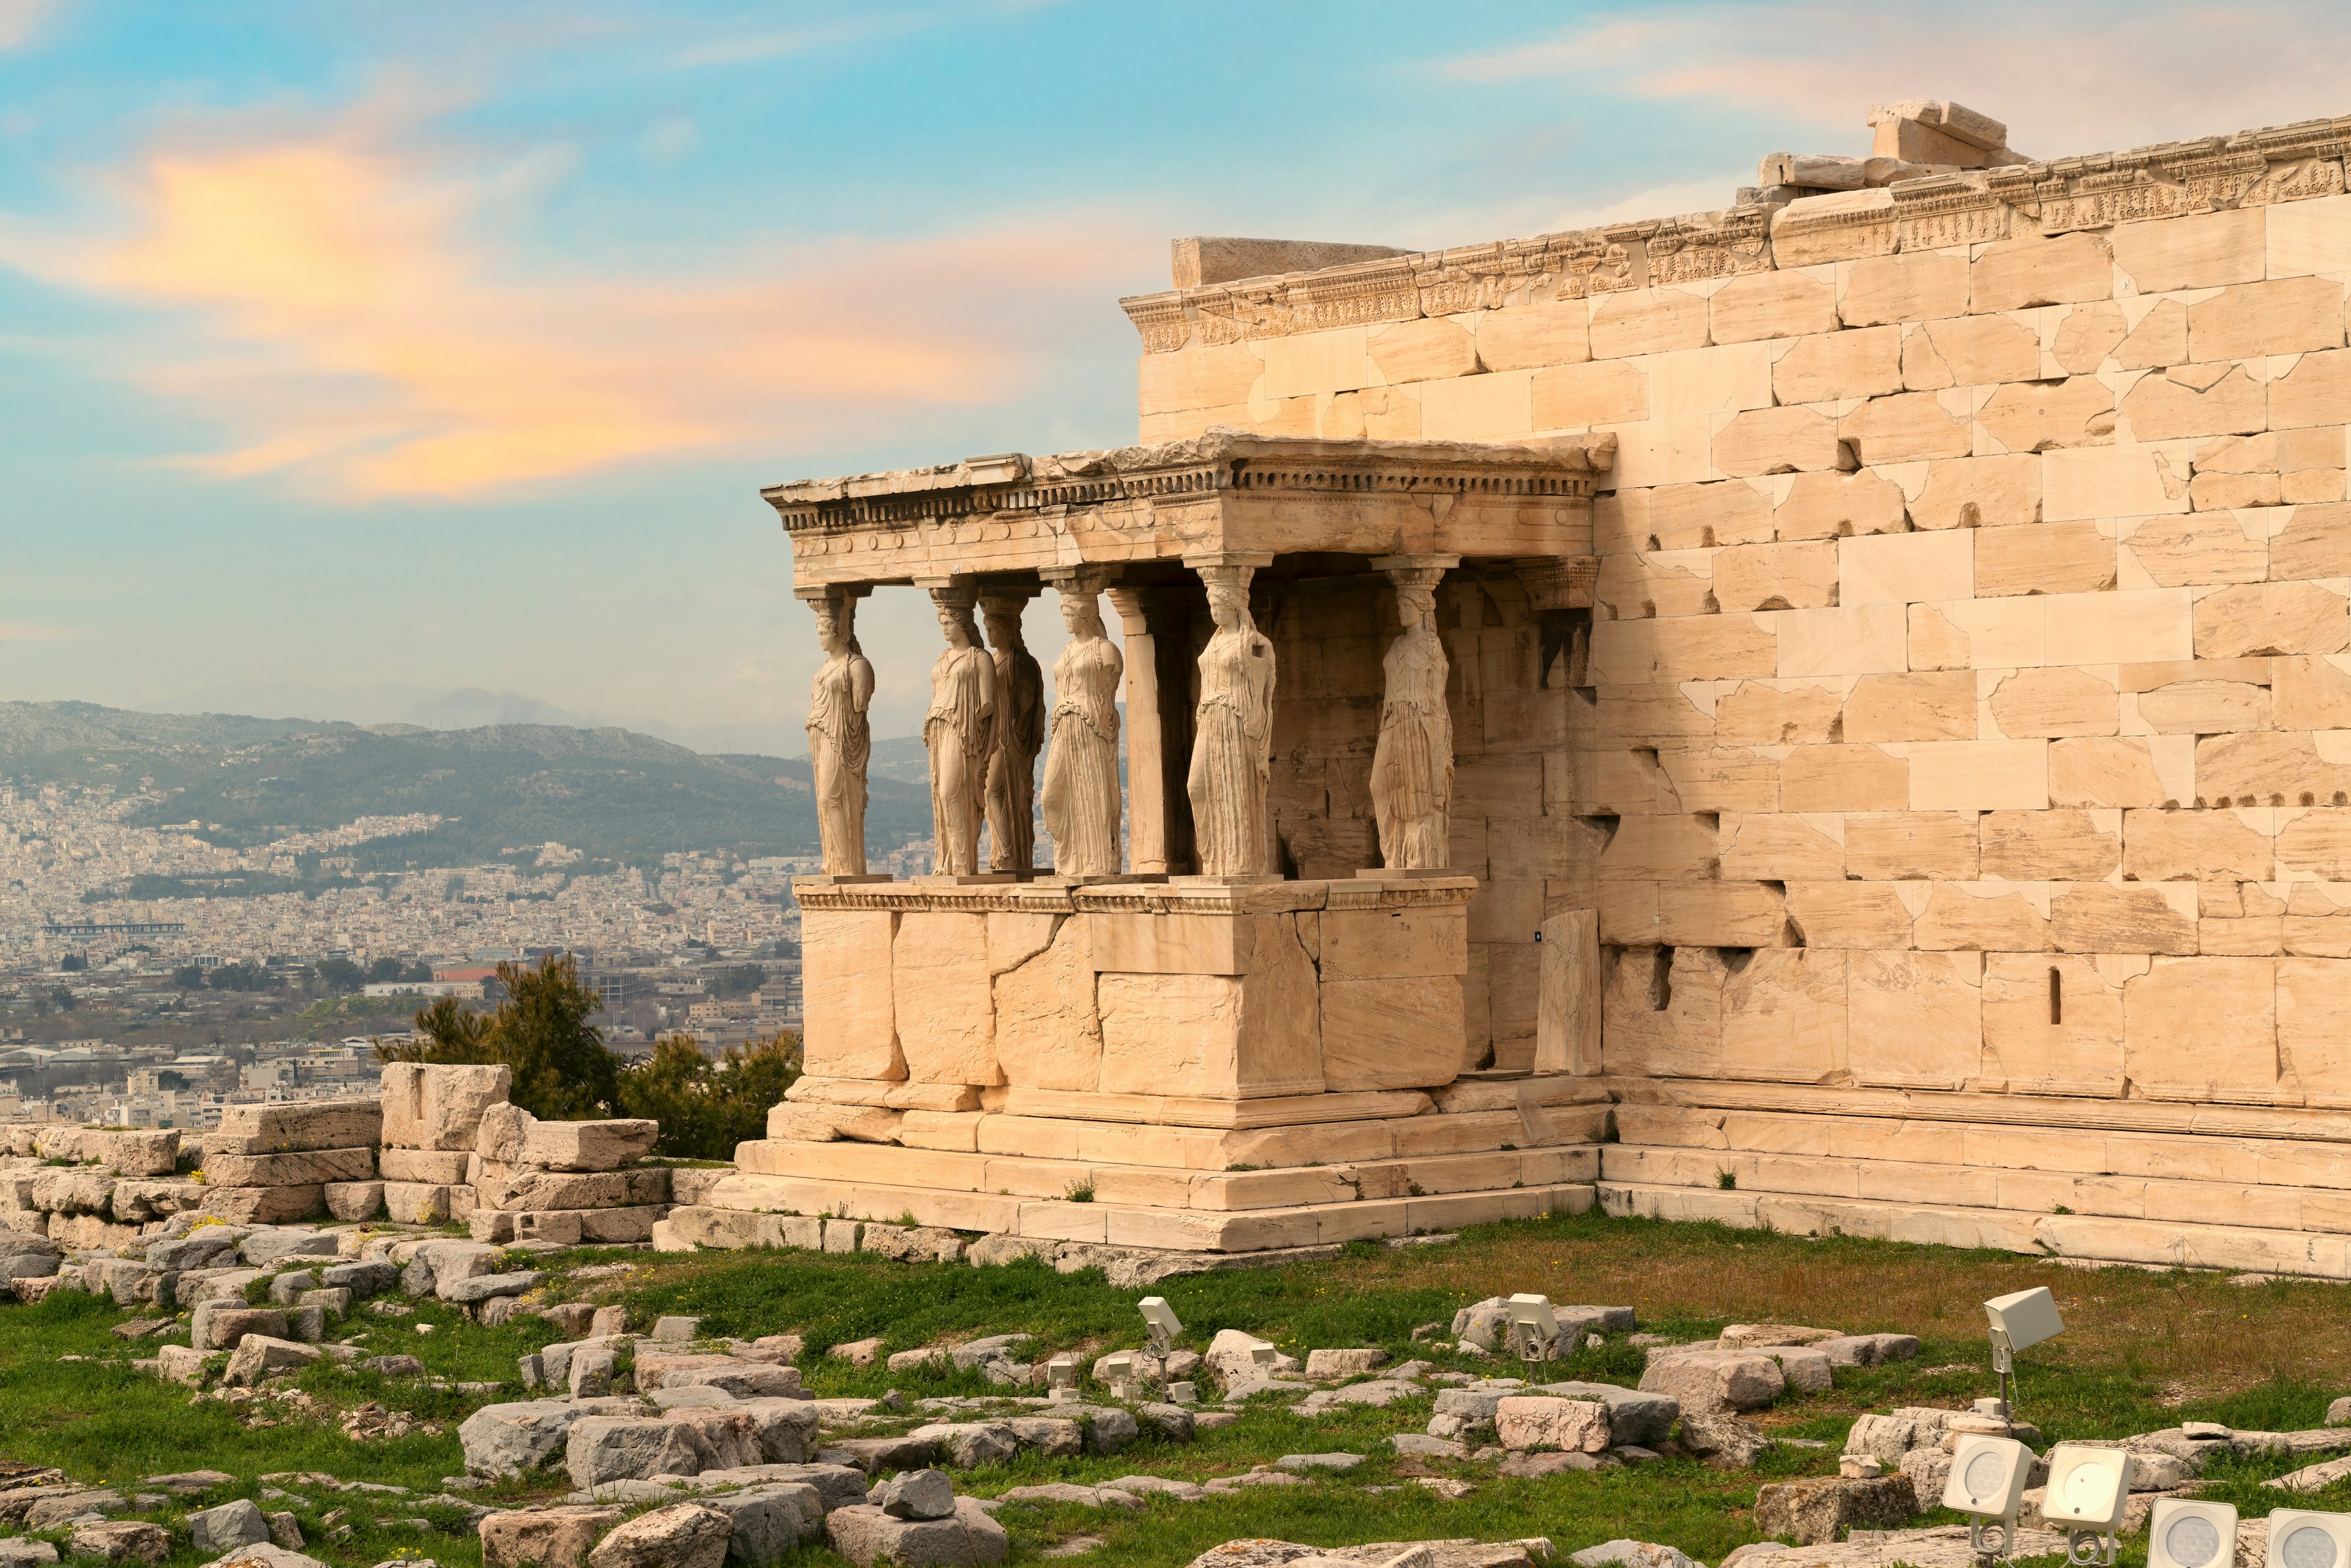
(390,349)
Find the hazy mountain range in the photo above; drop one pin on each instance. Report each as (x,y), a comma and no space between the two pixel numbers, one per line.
(611,793)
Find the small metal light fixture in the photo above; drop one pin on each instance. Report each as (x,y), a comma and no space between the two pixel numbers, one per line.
(2182,1533)
(2302,1538)
(1988,1476)
(1261,1359)
(1185,1392)
(1062,1378)
(1121,1376)
(1534,1328)
(1164,1325)
(2088,1488)
(2018,1323)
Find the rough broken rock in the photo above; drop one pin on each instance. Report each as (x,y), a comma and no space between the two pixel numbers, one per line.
(916,1494)
(228,1527)
(684,1535)
(1811,1512)
(866,1535)
(544,1537)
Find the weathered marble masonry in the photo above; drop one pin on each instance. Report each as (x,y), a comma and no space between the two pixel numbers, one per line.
(1944,734)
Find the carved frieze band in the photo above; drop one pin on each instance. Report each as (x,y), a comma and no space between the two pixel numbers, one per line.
(2253,168)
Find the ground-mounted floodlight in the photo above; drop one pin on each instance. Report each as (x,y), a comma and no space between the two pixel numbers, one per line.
(1183,1393)
(2300,1538)
(1987,1477)
(2018,1323)
(1121,1376)
(1261,1359)
(2089,1489)
(1534,1328)
(1164,1323)
(2184,1533)
(1062,1378)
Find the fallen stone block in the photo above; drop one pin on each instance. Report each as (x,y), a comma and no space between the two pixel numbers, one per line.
(1534,1467)
(288,1128)
(768,1520)
(1868,1349)
(1812,1512)
(1633,1416)
(1623,1553)
(967,1444)
(1322,1365)
(866,1535)
(916,1494)
(876,1455)
(1724,1440)
(684,1535)
(604,1146)
(479,1288)
(353,1202)
(785,1429)
(508,1440)
(1320,1461)
(1419,1445)
(305,1168)
(439,1107)
(218,1325)
(267,1554)
(1231,1360)
(54,1506)
(1712,1382)
(180,1364)
(259,1357)
(29,1256)
(270,1244)
(264,1204)
(544,1537)
(744,1380)
(1065,1492)
(1570,1426)
(425,1167)
(1760,1336)
(228,1527)
(122,1541)
(437,1261)
(836,1486)
(18,1551)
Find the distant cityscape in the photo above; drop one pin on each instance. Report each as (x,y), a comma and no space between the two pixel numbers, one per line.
(158,1012)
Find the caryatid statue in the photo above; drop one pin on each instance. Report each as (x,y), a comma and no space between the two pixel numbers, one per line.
(1233,732)
(839,738)
(1082,805)
(1019,732)
(959,729)
(1412,765)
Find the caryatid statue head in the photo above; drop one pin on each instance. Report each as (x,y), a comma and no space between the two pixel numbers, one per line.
(1081,594)
(1002,613)
(955,621)
(834,623)
(1229,604)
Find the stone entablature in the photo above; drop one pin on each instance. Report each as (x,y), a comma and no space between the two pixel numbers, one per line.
(1222,492)
(2175,179)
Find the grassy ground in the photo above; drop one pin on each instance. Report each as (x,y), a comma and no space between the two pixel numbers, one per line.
(2142,1350)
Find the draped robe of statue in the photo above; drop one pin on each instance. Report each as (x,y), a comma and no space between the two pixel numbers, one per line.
(840,739)
(958,730)
(1412,765)
(1082,806)
(1012,761)
(1230,760)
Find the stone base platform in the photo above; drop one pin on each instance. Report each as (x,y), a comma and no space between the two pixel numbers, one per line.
(1398,1164)
(2262,1189)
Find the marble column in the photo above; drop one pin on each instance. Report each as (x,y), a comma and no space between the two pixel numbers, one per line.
(1019,734)
(959,729)
(1146,788)
(1412,763)
(1232,735)
(840,740)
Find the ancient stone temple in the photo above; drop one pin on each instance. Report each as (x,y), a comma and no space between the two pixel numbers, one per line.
(1849,694)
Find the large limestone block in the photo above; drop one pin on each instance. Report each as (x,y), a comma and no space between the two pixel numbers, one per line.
(1601,391)
(1979,492)
(1930,705)
(289,1170)
(431,1107)
(2015,275)
(1567,1016)
(1786,1015)
(1198,376)
(2314,542)
(1834,365)
(2204,547)
(1823,505)
(2202,1028)
(2290,316)
(940,998)
(2196,846)
(2313,997)
(2054,702)
(1647,321)
(1971,350)
(1847,778)
(1914,1019)
(2057,845)
(2206,251)
(1979,916)
(2053,1024)
(1396,1032)
(1860,639)
(443,1167)
(2195,399)
(290,1128)
(1663,1012)
(1528,337)
(2119,481)
(604,1146)
(845,981)
(1776,440)
(2106,917)
(1214,1034)
(1755,713)
(2314,393)
(1048,1035)
(1379,943)
(1908,427)
(1920,286)
(1711,1382)
(2102,772)
(2271,618)
(1979,775)
(1709,647)
(1939,846)
(1777,847)
(1432,347)
(1849,915)
(1903,569)
(2037,416)
(1134,943)
(1566,1425)
(1773,305)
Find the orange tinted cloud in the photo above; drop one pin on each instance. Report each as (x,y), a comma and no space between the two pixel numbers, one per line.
(344,318)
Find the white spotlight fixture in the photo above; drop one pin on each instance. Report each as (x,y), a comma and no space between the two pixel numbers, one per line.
(1987,1477)
(1534,1328)
(1261,1359)
(2300,1538)
(1062,1378)
(2018,1323)
(1161,1319)
(1121,1376)
(2186,1534)
(2087,1491)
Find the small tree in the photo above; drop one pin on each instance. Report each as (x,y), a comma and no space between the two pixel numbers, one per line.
(706,1108)
(561,1071)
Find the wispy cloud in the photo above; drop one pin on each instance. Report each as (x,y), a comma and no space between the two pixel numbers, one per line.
(2073,79)
(363,318)
(20,18)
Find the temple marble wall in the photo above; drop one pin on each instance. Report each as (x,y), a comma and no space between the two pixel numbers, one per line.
(1960,769)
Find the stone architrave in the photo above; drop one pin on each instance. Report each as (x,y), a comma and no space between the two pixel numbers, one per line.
(840,739)
(1412,762)
(1233,729)
(959,730)
(1019,733)
(1081,803)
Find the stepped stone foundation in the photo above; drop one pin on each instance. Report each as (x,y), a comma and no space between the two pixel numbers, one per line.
(1897,650)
